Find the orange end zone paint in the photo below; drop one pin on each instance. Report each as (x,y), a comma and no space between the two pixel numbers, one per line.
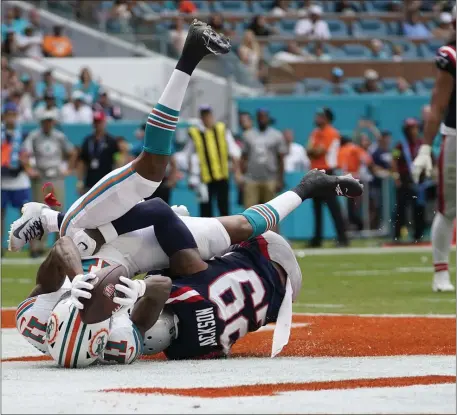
(273,389)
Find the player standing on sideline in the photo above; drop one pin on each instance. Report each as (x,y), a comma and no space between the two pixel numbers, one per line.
(442,109)
(124,187)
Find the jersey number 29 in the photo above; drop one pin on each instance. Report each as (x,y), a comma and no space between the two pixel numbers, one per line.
(234,281)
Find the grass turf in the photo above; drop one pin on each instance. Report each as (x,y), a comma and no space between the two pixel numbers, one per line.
(389,283)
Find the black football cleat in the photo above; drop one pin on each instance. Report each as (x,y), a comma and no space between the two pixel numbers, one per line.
(316,183)
(202,40)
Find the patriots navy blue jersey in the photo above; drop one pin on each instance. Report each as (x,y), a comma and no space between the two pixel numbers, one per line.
(238,293)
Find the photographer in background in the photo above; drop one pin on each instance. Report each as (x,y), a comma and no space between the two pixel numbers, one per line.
(323,147)
(15,183)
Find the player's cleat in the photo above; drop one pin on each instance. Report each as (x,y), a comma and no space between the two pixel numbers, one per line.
(316,183)
(202,40)
(442,282)
(28,227)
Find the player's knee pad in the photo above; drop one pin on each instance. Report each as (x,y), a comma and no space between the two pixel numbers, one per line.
(161,334)
(125,343)
(71,343)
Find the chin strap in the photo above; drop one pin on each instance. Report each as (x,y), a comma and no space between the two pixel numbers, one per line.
(50,198)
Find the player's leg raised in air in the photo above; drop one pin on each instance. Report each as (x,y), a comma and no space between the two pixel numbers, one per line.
(126,186)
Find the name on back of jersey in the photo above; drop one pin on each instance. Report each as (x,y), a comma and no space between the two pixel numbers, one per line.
(206,326)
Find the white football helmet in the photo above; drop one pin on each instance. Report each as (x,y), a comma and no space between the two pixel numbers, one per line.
(161,334)
(71,343)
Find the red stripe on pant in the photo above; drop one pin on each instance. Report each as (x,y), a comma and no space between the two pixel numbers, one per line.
(441,267)
(441,178)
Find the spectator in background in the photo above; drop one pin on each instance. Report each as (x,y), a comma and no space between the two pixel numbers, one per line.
(296,159)
(323,146)
(403,86)
(24,114)
(54,156)
(10,47)
(215,146)
(246,124)
(8,24)
(29,97)
(46,105)
(318,52)
(97,157)
(260,28)
(76,111)
(57,45)
(280,8)
(263,161)
(216,21)
(112,112)
(444,28)
(378,49)
(87,86)
(35,21)
(119,17)
(250,52)
(187,7)
(15,183)
(30,44)
(351,159)
(397,53)
(370,84)
(313,27)
(292,53)
(408,194)
(413,28)
(49,84)
(178,36)
(345,7)
(382,159)
(338,86)
(20,22)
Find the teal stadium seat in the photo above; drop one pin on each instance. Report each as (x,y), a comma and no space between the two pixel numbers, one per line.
(389,84)
(354,81)
(355,51)
(337,28)
(428,49)
(369,28)
(377,6)
(202,6)
(409,49)
(261,6)
(231,6)
(287,26)
(313,85)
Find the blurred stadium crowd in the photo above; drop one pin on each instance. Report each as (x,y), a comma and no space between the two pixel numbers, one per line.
(267,36)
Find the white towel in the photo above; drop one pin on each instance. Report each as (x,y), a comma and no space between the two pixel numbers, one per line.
(283,323)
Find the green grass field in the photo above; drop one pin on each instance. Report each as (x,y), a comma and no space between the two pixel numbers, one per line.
(385,283)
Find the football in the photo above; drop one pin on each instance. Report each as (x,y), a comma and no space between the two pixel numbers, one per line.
(101,306)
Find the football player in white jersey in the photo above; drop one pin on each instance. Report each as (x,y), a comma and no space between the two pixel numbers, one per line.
(442,118)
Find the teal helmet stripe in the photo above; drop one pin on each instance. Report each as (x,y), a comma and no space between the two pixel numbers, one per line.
(24,310)
(64,342)
(78,347)
(138,339)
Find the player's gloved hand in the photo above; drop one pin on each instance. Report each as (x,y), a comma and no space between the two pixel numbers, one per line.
(132,290)
(80,288)
(422,162)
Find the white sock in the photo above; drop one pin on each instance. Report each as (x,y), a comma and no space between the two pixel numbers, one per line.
(173,94)
(442,229)
(285,203)
(50,220)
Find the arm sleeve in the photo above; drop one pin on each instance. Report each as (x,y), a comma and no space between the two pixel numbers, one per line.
(233,148)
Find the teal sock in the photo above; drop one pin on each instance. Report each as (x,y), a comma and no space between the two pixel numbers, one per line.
(262,218)
(160,127)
